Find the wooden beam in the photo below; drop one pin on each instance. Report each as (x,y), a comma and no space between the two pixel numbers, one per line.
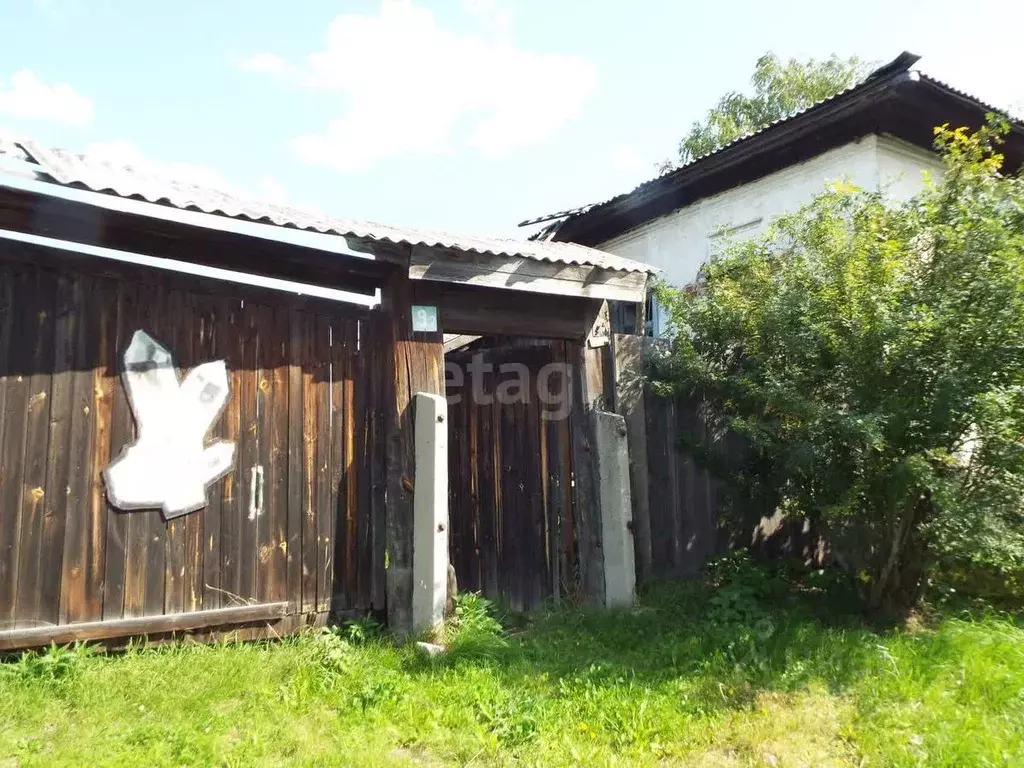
(628,352)
(484,311)
(416,363)
(516,273)
(62,634)
(35,254)
(589,395)
(92,224)
(457,341)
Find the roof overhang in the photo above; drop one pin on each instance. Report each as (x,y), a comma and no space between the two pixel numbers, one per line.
(904,104)
(91,219)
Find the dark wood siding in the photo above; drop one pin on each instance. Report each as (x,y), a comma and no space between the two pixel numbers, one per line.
(303,391)
(512,514)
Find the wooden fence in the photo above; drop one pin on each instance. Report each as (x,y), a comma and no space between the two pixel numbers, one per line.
(512,503)
(684,513)
(304,412)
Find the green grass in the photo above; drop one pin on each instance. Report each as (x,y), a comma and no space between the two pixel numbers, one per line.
(691,677)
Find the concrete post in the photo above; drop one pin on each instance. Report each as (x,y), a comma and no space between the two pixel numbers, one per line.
(615,509)
(430,513)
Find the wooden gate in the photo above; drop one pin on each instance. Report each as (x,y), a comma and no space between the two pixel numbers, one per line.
(304,413)
(511,500)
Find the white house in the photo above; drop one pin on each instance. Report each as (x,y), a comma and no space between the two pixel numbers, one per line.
(877,135)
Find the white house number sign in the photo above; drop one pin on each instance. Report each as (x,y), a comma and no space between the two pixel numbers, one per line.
(169,465)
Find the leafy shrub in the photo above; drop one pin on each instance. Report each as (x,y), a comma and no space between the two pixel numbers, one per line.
(361,630)
(476,615)
(871,354)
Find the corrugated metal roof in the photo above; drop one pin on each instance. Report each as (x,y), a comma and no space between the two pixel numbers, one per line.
(901,64)
(81,171)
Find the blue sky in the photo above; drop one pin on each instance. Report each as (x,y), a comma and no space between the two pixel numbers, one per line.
(464,115)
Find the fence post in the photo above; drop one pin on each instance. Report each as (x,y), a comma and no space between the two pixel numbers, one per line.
(430,514)
(415,362)
(590,392)
(629,352)
(616,513)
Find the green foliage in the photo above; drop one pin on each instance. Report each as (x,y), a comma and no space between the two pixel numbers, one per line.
(872,355)
(55,665)
(476,615)
(780,89)
(361,630)
(476,632)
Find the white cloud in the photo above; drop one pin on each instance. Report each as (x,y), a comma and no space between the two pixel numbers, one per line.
(265,63)
(26,97)
(406,84)
(491,12)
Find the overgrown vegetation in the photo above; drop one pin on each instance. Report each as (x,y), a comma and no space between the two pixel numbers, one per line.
(871,354)
(740,669)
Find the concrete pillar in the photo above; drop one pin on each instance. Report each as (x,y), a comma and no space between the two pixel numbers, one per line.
(615,509)
(430,513)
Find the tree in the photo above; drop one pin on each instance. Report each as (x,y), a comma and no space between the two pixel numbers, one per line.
(872,353)
(779,91)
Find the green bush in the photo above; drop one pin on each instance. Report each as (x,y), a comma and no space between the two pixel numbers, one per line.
(871,354)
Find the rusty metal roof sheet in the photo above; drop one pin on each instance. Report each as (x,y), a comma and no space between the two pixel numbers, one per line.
(81,171)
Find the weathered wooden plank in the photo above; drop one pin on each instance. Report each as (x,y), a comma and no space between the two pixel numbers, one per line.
(663,472)
(479,310)
(381,405)
(234,498)
(252,473)
(264,420)
(276,564)
(539,573)
(37,434)
(461,491)
(78,552)
(213,338)
(15,415)
(197,328)
(519,274)
(457,507)
(154,319)
(490,491)
(194,522)
(295,459)
(360,481)
(472,503)
(509,508)
(584,483)
(309,468)
(629,354)
(343,486)
(58,454)
(104,630)
(176,327)
(7,309)
(100,401)
(563,455)
(326,495)
(121,434)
